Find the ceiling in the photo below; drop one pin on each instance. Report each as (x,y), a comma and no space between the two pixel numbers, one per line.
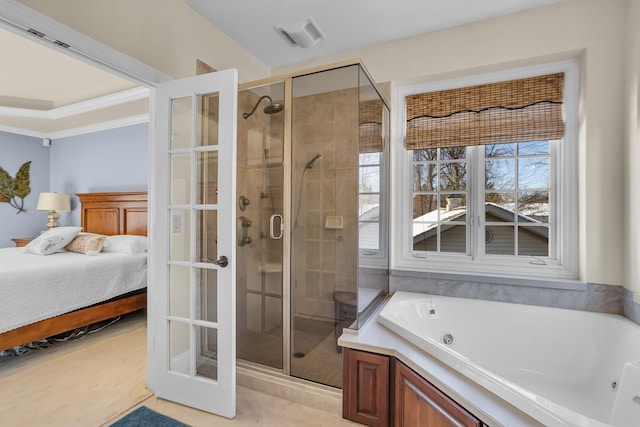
(346,24)
(41,80)
(43,91)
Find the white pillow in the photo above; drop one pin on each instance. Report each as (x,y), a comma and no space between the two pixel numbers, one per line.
(126,244)
(52,240)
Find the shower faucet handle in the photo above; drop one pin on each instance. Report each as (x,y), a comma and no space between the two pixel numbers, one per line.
(244,202)
(245,222)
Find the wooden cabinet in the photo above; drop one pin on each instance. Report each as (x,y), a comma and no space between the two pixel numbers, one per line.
(380,390)
(418,403)
(22,241)
(365,388)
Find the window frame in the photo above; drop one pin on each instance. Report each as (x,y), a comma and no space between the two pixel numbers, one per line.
(563,178)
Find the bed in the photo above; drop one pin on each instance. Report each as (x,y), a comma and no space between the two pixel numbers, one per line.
(56,278)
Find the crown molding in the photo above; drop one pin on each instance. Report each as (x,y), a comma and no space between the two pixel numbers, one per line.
(82,130)
(79,107)
(98,127)
(21,131)
(19,19)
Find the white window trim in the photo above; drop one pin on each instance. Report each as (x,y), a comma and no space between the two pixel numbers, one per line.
(566,173)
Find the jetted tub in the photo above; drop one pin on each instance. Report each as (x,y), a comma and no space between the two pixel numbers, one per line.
(562,367)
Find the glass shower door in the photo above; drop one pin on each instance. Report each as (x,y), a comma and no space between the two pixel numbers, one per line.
(260,219)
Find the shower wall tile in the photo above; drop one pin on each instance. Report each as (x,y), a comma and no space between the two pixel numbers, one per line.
(313,224)
(598,298)
(313,255)
(312,285)
(313,192)
(327,286)
(346,151)
(329,192)
(328,257)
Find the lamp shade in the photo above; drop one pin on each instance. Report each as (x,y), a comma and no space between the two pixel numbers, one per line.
(54,202)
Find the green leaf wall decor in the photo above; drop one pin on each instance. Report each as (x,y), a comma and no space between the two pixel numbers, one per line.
(14,190)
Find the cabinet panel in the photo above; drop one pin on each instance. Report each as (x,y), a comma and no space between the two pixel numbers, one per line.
(366,388)
(418,403)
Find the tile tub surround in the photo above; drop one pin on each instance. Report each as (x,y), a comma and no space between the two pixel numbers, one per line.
(630,308)
(596,297)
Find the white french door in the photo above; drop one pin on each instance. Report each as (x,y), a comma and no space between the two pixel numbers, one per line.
(192,292)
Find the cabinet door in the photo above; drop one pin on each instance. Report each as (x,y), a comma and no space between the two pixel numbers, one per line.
(418,403)
(365,388)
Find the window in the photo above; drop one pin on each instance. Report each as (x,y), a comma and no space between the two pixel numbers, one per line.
(373,191)
(477,200)
(369,203)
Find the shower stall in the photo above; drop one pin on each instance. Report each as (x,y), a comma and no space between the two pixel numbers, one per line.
(312,253)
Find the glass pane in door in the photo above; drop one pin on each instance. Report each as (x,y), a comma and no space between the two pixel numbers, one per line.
(180,178)
(179,291)
(181,123)
(207,163)
(180,234)
(206,294)
(207,352)
(209,118)
(179,343)
(207,232)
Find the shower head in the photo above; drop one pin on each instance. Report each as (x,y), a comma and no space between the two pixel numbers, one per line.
(274,107)
(271,108)
(310,163)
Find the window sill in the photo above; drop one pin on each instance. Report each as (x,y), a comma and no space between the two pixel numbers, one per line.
(500,279)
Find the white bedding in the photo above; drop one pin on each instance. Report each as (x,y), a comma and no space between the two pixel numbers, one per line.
(34,287)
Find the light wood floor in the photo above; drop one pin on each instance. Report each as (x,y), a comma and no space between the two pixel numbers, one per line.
(98,379)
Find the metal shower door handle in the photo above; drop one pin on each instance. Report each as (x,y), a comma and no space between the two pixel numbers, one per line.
(272,226)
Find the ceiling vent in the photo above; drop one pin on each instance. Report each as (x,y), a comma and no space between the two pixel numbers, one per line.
(302,33)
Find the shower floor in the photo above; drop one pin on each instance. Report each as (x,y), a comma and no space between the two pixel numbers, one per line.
(314,343)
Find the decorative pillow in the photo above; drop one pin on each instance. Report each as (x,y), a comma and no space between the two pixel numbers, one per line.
(52,240)
(87,243)
(126,244)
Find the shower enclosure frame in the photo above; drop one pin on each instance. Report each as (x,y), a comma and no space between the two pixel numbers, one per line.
(287,80)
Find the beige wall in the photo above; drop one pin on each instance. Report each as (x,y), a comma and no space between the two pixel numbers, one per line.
(169,36)
(632,139)
(165,34)
(590,30)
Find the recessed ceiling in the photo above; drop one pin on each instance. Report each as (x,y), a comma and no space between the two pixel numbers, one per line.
(44,91)
(347,24)
(37,77)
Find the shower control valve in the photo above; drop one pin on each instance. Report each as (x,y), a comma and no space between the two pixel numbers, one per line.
(243,202)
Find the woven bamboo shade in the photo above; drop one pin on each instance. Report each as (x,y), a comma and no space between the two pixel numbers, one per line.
(513,111)
(370,126)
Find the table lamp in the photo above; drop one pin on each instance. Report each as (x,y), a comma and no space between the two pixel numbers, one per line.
(54,203)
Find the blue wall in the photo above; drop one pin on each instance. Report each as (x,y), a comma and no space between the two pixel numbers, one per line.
(111,160)
(15,150)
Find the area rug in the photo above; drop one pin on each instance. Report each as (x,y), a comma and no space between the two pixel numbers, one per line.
(145,417)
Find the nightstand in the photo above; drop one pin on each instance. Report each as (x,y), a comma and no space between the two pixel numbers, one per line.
(22,242)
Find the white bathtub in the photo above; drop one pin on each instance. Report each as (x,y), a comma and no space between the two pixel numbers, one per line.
(562,367)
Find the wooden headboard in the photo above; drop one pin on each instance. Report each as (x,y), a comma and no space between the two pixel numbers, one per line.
(114,212)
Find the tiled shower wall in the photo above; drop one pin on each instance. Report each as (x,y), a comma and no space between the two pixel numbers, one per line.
(324,259)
